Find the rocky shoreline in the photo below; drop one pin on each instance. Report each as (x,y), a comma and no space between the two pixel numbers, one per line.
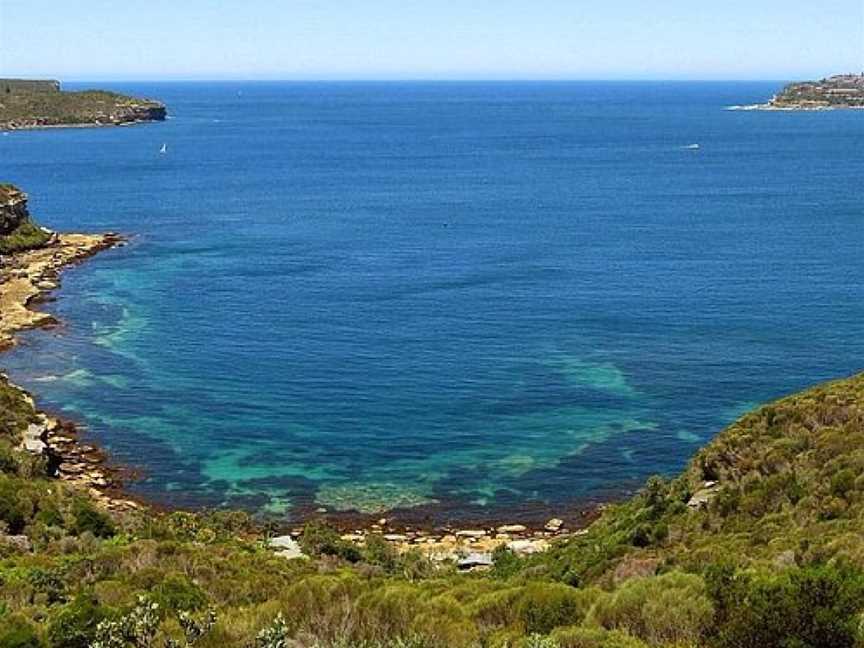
(34,125)
(469,549)
(772,107)
(26,278)
(140,115)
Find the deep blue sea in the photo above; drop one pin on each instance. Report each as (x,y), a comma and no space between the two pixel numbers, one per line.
(466,296)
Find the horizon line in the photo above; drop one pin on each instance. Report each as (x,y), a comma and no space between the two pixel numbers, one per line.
(413,80)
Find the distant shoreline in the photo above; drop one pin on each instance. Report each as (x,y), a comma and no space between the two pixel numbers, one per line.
(5,128)
(838,92)
(769,107)
(30,104)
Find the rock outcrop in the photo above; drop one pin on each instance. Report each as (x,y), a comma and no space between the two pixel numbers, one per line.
(13,208)
(18,232)
(31,259)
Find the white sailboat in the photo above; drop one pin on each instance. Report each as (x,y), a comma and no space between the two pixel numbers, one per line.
(164,149)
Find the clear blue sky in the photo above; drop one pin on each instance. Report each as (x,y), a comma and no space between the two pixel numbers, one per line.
(430,39)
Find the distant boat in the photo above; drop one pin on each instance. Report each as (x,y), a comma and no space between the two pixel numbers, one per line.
(164,149)
(691,147)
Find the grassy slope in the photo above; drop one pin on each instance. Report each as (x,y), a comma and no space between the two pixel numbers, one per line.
(790,487)
(774,560)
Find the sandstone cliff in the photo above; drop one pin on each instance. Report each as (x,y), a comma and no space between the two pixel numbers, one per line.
(17,230)
(13,208)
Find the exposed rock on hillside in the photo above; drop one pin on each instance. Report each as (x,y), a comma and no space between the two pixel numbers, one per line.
(17,231)
(13,208)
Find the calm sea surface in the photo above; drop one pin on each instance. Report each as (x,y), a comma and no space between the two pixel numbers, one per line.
(364,296)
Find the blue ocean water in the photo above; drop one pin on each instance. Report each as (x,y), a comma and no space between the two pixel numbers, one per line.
(470,296)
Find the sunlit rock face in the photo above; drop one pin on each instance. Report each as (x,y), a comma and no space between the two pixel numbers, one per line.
(13,208)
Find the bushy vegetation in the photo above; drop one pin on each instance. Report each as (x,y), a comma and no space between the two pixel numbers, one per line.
(773,557)
(27,236)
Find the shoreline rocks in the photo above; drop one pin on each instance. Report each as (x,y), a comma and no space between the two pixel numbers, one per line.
(467,549)
(31,274)
(26,277)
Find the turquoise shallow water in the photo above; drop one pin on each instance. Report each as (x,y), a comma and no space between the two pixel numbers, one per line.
(486,297)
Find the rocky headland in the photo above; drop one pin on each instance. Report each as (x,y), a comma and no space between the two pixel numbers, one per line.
(842,91)
(31,258)
(26,104)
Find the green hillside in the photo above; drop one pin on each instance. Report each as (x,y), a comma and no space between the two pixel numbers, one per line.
(34,104)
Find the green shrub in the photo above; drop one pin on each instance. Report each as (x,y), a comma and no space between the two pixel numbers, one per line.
(75,625)
(322,604)
(617,639)
(320,539)
(810,607)
(377,551)
(26,236)
(88,518)
(579,637)
(389,610)
(544,606)
(582,637)
(48,582)
(13,511)
(670,608)
(842,482)
(177,593)
(49,514)
(16,632)
(505,563)
(496,609)
(8,459)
